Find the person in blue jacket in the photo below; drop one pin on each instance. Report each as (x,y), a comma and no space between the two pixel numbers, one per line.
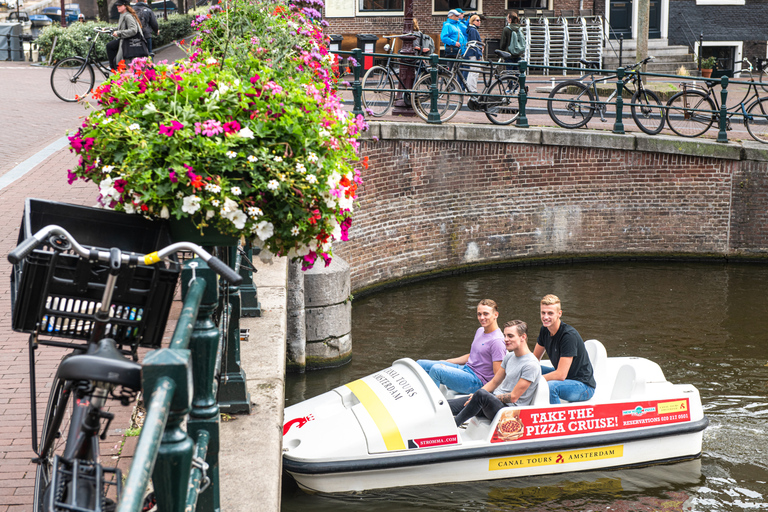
(452,36)
(473,34)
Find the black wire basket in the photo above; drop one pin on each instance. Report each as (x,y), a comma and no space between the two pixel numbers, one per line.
(54,292)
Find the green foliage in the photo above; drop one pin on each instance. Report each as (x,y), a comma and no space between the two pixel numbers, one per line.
(73,40)
(709,62)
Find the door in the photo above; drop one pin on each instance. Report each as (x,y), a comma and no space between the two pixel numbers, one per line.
(654,20)
(621,19)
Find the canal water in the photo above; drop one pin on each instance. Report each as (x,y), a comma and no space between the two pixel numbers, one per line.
(705,324)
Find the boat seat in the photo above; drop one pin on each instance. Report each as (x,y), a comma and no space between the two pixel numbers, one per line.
(541,397)
(627,384)
(599,359)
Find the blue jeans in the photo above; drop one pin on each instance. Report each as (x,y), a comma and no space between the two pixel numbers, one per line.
(570,390)
(457,377)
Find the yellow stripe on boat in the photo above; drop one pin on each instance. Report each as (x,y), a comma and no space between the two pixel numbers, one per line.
(151,258)
(550,459)
(380,415)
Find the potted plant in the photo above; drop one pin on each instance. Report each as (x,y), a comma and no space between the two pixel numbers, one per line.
(707,65)
(245,138)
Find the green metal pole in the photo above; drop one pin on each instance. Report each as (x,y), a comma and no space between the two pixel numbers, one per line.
(357,87)
(204,346)
(233,394)
(193,294)
(199,472)
(434,115)
(522,119)
(722,135)
(248,294)
(618,126)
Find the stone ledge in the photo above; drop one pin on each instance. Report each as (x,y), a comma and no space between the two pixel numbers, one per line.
(485,133)
(693,147)
(417,131)
(587,138)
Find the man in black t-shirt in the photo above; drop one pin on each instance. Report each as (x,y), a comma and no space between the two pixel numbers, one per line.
(571,378)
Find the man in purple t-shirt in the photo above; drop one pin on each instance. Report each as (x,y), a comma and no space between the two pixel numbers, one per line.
(468,373)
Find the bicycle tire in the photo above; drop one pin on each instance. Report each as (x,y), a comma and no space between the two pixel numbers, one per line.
(572,103)
(684,113)
(764,80)
(448,104)
(503,111)
(757,120)
(377,102)
(68,82)
(649,114)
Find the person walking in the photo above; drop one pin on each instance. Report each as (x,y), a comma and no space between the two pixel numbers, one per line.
(423,44)
(452,36)
(473,34)
(513,39)
(148,20)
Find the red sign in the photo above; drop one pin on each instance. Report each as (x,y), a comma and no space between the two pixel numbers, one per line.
(569,420)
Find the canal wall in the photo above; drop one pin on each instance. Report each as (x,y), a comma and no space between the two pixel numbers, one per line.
(455,197)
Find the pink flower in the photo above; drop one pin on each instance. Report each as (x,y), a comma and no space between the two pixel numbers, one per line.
(172,176)
(231,127)
(170,130)
(211,86)
(209,128)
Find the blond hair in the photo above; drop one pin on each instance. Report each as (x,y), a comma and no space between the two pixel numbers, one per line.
(550,300)
(490,303)
(474,18)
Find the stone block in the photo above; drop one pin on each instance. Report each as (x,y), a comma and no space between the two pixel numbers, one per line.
(755,151)
(373,132)
(485,133)
(324,286)
(586,139)
(417,131)
(692,147)
(329,352)
(328,321)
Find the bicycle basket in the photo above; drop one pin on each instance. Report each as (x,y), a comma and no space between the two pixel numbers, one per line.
(56,292)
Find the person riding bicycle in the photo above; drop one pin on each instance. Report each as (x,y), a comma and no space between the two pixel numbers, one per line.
(128,26)
(452,36)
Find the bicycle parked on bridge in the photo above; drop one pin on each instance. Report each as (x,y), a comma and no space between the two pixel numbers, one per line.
(106,302)
(695,109)
(572,103)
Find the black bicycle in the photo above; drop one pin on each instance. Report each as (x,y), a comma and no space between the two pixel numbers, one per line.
(73,78)
(112,301)
(572,103)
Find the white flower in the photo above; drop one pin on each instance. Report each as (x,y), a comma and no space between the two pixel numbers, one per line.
(215,202)
(325,133)
(273,185)
(300,167)
(128,207)
(311,179)
(236,191)
(190,204)
(238,218)
(179,194)
(295,231)
(333,180)
(223,88)
(209,214)
(213,188)
(107,190)
(231,154)
(336,231)
(107,169)
(107,120)
(164,213)
(264,229)
(254,211)
(252,158)
(245,133)
(134,126)
(312,158)
(149,108)
(278,159)
(229,208)
(211,60)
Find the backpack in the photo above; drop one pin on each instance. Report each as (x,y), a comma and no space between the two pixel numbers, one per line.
(145,16)
(517,42)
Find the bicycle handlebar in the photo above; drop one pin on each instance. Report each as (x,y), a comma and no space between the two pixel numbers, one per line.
(28,245)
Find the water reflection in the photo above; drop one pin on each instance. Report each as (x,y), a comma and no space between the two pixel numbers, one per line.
(704,324)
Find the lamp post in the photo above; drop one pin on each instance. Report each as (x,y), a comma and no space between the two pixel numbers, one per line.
(402,107)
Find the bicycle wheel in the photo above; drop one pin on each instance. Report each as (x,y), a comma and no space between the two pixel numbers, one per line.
(757,120)
(648,114)
(687,113)
(571,104)
(504,110)
(375,100)
(72,79)
(448,103)
(764,79)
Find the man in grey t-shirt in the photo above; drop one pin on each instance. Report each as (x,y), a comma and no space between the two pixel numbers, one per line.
(514,383)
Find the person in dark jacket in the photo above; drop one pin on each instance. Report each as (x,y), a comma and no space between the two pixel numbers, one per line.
(513,25)
(475,53)
(149,25)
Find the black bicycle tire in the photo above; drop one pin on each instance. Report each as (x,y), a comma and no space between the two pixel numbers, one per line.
(750,120)
(638,115)
(420,100)
(764,79)
(51,426)
(590,108)
(498,88)
(368,95)
(672,111)
(72,93)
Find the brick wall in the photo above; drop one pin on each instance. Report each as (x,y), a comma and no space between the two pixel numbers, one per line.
(430,205)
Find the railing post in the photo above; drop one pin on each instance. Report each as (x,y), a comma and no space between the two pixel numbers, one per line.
(233,394)
(249,296)
(204,345)
(174,457)
(618,126)
(722,135)
(357,87)
(522,119)
(434,115)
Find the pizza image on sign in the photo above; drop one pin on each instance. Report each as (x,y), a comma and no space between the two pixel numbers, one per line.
(510,426)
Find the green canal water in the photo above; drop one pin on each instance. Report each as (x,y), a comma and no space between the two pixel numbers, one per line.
(705,324)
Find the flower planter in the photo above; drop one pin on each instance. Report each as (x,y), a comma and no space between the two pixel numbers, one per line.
(184,230)
(706,73)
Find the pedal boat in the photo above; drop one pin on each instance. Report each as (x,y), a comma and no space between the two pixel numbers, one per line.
(394,428)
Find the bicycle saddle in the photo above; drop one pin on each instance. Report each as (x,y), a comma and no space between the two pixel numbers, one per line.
(502,53)
(103,363)
(590,64)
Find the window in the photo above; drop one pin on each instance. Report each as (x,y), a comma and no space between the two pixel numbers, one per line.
(447,5)
(381,5)
(513,5)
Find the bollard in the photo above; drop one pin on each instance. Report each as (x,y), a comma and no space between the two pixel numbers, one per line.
(621,49)
(249,297)
(434,115)
(357,87)
(618,126)
(722,135)
(522,119)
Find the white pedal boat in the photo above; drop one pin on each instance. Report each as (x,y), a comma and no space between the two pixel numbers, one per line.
(394,428)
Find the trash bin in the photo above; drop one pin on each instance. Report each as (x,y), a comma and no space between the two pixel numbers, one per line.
(367,42)
(10,42)
(491,45)
(335,46)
